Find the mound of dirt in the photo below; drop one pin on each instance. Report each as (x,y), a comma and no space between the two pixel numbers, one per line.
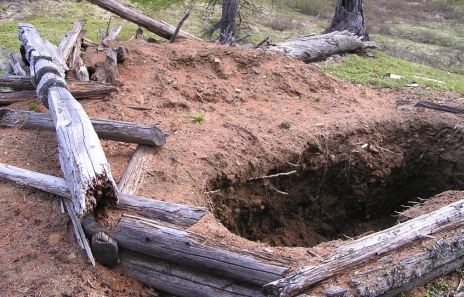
(338,160)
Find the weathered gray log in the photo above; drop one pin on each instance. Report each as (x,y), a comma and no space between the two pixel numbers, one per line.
(184,247)
(391,277)
(17,64)
(317,47)
(80,71)
(182,280)
(112,35)
(133,15)
(104,248)
(441,107)
(111,66)
(136,169)
(177,214)
(82,159)
(16,82)
(106,129)
(360,250)
(68,42)
(12,97)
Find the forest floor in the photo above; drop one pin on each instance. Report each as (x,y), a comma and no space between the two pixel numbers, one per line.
(235,115)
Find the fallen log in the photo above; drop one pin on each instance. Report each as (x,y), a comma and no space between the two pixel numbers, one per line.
(105,129)
(112,35)
(177,214)
(441,107)
(68,42)
(358,251)
(16,82)
(136,169)
(313,48)
(184,247)
(11,97)
(137,17)
(83,163)
(25,83)
(181,280)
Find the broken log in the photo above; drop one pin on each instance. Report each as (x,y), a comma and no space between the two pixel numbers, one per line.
(17,64)
(104,248)
(136,169)
(111,67)
(137,17)
(184,247)
(349,16)
(82,159)
(68,42)
(112,35)
(7,98)
(182,280)
(358,251)
(177,214)
(106,129)
(313,48)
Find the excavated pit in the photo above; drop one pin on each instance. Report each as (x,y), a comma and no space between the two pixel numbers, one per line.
(348,183)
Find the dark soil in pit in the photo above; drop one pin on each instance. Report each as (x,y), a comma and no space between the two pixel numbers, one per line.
(345,183)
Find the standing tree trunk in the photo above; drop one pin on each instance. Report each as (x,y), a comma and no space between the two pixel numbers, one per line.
(349,16)
(229,14)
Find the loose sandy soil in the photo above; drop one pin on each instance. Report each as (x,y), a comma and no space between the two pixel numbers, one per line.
(265,115)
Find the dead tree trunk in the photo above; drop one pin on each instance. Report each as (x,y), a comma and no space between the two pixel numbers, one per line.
(133,15)
(349,16)
(229,15)
(82,159)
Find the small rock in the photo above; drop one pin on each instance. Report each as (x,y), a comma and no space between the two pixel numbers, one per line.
(238,90)
(254,162)
(335,291)
(54,239)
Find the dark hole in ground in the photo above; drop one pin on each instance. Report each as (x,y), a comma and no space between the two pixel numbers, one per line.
(342,190)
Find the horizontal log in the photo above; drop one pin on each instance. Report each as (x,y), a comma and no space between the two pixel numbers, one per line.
(181,280)
(135,171)
(137,17)
(18,96)
(181,215)
(184,247)
(318,47)
(16,82)
(358,251)
(106,129)
(441,107)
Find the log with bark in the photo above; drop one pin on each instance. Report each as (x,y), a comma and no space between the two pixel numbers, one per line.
(82,159)
(177,214)
(363,249)
(313,48)
(186,248)
(137,17)
(106,129)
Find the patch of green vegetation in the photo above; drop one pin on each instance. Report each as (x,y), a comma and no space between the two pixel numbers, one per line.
(372,71)
(198,118)
(32,106)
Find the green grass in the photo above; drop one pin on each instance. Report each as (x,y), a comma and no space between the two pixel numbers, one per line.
(371,71)
(198,118)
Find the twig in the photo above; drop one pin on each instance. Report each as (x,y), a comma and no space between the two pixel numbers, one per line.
(138,107)
(262,42)
(242,38)
(182,20)
(62,205)
(19,236)
(313,253)
(384,149)
(245,130)
(108,28)
(441,107)
(274,175)
(278,191)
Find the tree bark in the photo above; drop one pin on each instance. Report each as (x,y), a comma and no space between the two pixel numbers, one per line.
(349,16)
(229,15)
(318,47)
(82,159)
(181,280)
(184,247)
(133,15)
(177,214)
(105,129)
(354,253)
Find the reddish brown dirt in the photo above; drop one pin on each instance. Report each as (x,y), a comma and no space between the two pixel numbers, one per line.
(265,115)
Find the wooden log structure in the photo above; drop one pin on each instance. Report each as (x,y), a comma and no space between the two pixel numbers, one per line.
(68,42)
(16,82)
(137,17)
(313,48)
(132,178)
(186,248)
(182,280)
(380,243)
(82,159)
(105,129)
(177,214)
